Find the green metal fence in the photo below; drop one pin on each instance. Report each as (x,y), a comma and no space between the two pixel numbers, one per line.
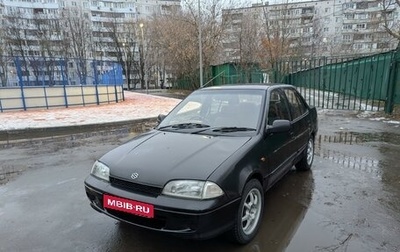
(368,83)
(234,74)
(223,74)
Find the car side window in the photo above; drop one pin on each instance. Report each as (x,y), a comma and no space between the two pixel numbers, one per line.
(297,107)
(278,109)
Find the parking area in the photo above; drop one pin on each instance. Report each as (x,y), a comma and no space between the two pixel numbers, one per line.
(348,202)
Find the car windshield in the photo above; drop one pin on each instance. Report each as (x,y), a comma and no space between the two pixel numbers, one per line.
(217,111)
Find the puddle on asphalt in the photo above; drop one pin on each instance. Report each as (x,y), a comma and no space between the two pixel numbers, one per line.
(10,168)
(341,137)
(384,137)
(358,138)
(350,150)
(361,163)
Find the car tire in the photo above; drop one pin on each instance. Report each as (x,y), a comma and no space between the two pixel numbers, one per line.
(249,215)
(308,157)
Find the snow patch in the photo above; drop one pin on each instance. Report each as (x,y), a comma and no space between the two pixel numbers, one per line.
(135,106)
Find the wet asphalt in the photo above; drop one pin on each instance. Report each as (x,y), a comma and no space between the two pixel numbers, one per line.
(349,201)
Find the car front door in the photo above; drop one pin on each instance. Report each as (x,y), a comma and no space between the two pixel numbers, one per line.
(277,145)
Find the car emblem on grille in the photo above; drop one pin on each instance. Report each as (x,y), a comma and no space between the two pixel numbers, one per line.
(134,175)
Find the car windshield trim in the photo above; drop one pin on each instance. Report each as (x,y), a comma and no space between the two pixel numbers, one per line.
(224,130)
(232,129)
(188,125)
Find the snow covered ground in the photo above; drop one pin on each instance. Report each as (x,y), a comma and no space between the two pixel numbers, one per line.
(135,106)
(375,115)
(334,100)
(328,101)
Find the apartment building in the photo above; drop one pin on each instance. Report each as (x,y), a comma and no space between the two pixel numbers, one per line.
(42,28)
(317,28)
(102,14)
(362,27)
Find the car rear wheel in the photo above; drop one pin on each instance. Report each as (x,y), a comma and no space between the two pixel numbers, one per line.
(308,157)
(248,217)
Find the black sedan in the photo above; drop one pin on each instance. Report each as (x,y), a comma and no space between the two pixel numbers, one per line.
(204,169)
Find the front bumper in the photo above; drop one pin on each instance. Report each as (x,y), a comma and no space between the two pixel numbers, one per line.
(195,219)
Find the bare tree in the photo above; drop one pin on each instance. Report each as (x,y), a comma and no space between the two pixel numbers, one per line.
(33,43)
(276,42)
(78,30)
(17,38)
(124,37)
(177,37)
(390,23)
(177,40)
(158,36)
(3,59)
(46,48)
(244,36)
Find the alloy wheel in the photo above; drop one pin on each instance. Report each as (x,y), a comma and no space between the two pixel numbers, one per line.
(251,211)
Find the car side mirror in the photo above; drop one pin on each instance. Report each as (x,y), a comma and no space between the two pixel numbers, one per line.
(279,126)
(160,118)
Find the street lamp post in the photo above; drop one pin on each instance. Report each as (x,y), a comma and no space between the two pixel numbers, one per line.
(144,61)
(200,47)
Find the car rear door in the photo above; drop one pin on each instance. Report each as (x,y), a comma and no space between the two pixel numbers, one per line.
(300,119)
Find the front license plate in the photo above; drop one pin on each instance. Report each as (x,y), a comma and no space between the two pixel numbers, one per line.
(128,206)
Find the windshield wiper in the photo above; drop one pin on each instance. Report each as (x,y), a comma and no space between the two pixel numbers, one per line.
(185,126)
(232,129)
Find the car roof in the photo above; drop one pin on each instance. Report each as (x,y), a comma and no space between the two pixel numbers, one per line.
(250,86)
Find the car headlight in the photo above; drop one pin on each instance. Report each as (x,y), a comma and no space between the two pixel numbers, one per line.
(192,189)
(100,171)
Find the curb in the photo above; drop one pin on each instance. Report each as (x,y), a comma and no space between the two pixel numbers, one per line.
(31,135)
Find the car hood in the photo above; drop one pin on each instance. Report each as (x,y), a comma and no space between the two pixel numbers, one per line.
(159,157)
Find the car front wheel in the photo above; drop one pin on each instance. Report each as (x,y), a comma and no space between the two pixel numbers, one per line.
(249,215)
(308,157)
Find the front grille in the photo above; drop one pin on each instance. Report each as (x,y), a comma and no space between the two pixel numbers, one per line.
(135,187)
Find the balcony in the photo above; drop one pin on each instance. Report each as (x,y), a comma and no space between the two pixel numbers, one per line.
(307,11)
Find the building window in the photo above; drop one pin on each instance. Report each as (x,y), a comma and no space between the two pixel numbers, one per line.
(348,6)
(347,27)
(362,16)
(361,26)
(358,46)
(346,38)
